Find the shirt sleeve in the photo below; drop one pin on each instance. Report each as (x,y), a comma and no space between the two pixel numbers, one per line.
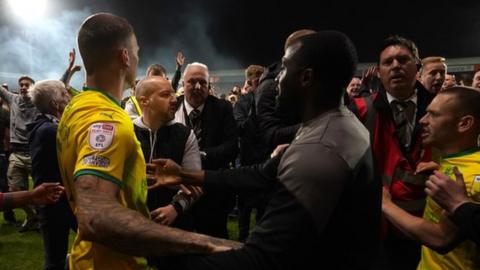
(103,149)
(191,157)
(6,95)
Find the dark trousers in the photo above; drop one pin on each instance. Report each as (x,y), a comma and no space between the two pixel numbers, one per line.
(210,213)
(56,220)
(8,215)
(246,203)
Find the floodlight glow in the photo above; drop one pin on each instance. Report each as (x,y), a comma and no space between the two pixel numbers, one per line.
(28,10)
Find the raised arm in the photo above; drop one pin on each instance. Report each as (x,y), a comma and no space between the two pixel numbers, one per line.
(6,95)
(71,69)
(180,60)
(245,179)
(101,218)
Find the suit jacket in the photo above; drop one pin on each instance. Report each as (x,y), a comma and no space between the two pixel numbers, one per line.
(219,134)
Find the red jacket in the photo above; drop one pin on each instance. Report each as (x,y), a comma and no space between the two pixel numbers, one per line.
(395,165)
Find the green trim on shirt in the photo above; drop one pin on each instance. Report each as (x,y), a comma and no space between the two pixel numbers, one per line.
(463,153)
(99,174)
(86,88)
(73,92)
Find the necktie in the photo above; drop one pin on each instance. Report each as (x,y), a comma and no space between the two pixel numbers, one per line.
(195,123)
(403,114)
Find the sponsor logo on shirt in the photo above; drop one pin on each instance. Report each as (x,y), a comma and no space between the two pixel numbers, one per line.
(476,179)
(96,161)
(101,135)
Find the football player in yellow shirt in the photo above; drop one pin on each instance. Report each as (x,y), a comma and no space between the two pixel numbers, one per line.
(452,125)
(102,164)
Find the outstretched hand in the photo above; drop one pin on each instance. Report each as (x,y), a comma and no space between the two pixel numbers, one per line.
(71,58)
(427,168)
(280,149)
(47,193)
(180,59)
(71,62)
(370,73)
(448,193)
(163,172)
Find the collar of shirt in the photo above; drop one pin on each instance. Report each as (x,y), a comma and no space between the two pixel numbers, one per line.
(189,107)
(52,118)
(412,98)
(139,122)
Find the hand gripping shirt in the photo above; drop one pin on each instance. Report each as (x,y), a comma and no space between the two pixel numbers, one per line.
(95,137)
(467,254)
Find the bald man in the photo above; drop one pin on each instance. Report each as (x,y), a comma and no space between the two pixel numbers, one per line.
(160,137)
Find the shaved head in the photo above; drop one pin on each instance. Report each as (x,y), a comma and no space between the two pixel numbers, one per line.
(148,86)
(293,37)
(157,99)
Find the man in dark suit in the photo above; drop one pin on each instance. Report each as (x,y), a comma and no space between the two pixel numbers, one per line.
(212,121)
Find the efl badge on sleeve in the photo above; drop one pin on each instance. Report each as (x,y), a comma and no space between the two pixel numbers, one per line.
(101,135)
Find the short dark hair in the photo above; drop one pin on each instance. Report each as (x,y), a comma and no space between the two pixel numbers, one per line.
(468,99)
(25,77)
(157,70)
(98,35)
(333,58)
(395,40)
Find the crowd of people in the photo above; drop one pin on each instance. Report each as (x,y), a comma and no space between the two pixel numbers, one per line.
(377,172)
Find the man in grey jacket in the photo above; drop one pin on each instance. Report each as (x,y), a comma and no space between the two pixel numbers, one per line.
(22,112)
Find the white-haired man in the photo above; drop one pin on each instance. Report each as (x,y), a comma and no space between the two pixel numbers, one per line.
(50,98)
(212,121)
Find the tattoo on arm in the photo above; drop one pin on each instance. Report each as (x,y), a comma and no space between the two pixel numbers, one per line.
(101,218)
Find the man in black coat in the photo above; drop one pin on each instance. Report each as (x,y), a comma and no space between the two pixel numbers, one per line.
(275,126)
(214,126)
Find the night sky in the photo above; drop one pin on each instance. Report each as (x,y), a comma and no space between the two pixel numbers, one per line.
(233,34)
(254,31)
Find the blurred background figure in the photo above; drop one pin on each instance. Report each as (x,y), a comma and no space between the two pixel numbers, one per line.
(432,73)
(476,80)
(450,81)
(353,88)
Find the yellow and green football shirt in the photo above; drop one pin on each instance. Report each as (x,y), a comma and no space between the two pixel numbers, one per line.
(96,137)
(467,254)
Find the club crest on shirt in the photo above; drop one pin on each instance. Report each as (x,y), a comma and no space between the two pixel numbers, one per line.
(101,135)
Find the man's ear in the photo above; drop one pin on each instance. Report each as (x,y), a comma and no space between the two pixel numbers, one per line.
(306,77)
(466,123)
(125,57)
(143,100)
